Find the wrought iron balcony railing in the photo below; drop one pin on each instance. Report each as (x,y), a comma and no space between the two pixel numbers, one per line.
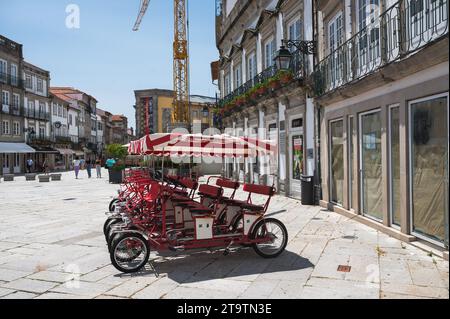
(37,115)
(11,109)
(298,67)
(402,29)
(11,80)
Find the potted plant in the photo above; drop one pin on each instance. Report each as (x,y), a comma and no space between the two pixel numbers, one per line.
(253,93)
(261,88)
(285,76)
(117,154)
(274,83)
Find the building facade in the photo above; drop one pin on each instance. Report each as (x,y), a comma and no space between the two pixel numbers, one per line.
(382,87)
(258,98)
(37,104)
(13,150)
(85,107)
(159,104)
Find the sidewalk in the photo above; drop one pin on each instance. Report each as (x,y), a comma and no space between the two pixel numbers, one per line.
(52,246)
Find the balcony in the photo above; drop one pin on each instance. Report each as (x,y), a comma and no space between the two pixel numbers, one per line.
(41,140)
(11,80)
(63,139)
(401,30)
(265,84)
(12,109)
(37,115)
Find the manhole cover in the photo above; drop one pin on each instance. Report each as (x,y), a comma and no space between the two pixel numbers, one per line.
(343,268)
(350,237)
(69,199)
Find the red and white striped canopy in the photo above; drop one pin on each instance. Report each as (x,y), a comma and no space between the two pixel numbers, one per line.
(198,145)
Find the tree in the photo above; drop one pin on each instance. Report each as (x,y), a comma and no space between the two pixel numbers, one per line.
(117,151)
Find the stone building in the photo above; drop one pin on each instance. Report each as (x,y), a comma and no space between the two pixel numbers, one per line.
(382,87)
(37,115)
(87,119)
(13,150)
(258,97)
(160,104)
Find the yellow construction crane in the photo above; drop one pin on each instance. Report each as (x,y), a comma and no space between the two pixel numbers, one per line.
(181,113)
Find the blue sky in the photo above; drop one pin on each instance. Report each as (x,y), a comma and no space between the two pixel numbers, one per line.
(104,57)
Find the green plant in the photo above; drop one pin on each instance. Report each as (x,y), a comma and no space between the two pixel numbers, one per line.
(116,151)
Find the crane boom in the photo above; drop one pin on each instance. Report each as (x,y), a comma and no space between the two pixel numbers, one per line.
(180,112)
(142,11)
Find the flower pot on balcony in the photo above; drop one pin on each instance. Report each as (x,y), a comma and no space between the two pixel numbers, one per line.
(275,84)
(286,78)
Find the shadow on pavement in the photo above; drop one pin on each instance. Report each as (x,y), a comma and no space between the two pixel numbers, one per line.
(242,263)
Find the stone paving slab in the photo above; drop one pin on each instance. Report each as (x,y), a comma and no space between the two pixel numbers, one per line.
(52,247)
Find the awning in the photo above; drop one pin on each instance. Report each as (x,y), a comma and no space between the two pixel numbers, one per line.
(45,149)
(15,148)
(65,151)
(79,153)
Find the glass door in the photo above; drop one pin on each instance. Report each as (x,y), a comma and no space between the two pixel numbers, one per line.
(370,158)
(16,163)
(5,166)
(429,168)
(297,164)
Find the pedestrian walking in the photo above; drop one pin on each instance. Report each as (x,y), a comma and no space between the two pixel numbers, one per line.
(76,166)
(29,165)
(89,168)
(98,167)
(45,167)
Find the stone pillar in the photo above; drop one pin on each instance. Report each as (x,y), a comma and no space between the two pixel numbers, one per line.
(259,60)
(244,66)
(280,30)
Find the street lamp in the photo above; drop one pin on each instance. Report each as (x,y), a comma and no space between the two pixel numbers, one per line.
(283,58)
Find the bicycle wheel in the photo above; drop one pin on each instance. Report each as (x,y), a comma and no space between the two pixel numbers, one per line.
(129,253)
(277,235)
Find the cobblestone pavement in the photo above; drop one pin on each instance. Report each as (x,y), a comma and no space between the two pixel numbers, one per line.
(52,246)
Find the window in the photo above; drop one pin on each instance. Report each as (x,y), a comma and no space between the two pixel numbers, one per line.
(5,98)
(41,132)
(60,110)
(41,107)
(70,119)
(40,85)
(237,76)
(269,53)
(335,40)
(5,127)
(65,113)
(16,101)
(251,66)
(227,84)
(14,79)
(3,70)
(335,32)
(31,107)
(28,82)
(54,108)
(429,167)
(295,32)
(16,128)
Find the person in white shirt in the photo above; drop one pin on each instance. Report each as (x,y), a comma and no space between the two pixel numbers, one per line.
(76,166)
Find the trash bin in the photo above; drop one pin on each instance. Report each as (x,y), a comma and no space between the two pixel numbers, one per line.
(307,190)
